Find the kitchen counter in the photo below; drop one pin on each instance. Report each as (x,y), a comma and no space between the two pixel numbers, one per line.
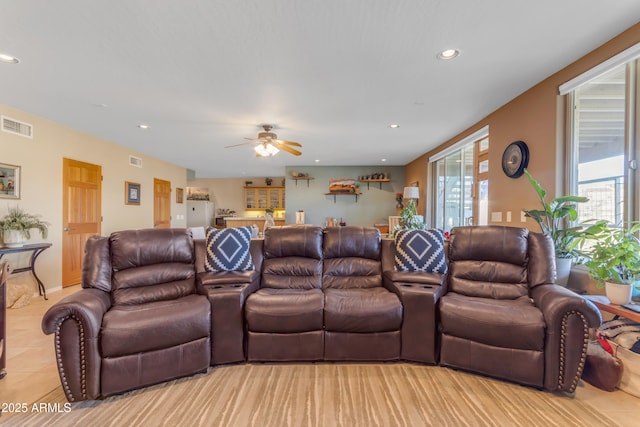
(239,221)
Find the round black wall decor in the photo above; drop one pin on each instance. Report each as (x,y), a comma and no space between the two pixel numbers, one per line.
(515,159)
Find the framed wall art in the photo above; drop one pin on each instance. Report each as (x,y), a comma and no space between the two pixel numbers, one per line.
(179,195)
(131,193)
(9,181)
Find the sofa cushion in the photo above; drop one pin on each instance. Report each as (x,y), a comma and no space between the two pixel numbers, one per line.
(285,310)
(515,324)
(362,310)
(293,240)
(420,250)
(138,248)
(131,329)
(228,249)
(351,241)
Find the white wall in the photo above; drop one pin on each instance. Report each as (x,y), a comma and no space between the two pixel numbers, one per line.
(41,183)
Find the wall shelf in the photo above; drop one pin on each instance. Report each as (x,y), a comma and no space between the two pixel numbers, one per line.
(379,181)
(338,193)
(302,178)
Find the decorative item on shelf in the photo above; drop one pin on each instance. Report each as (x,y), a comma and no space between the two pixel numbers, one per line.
(343,223)
(553,220)
(16,227)
(248,183)
(179,195)
(613,257)
(268,181)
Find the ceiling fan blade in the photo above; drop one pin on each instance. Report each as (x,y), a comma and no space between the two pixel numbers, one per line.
(289,149)
(295,144)
(237,145)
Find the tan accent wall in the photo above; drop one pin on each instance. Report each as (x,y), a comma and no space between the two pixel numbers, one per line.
(536,117)
(41,183)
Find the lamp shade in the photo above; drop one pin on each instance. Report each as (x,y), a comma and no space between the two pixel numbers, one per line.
(411,193)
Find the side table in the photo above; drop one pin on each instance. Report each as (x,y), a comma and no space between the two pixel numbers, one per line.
(603,304)
(35,249)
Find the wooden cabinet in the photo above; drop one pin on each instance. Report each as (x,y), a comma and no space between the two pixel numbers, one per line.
(261,198)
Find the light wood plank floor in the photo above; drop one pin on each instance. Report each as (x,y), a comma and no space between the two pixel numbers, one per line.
(32,370)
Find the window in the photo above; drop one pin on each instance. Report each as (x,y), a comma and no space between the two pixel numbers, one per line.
(460,183)
(603,145)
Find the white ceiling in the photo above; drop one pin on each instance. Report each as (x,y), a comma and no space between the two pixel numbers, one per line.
(331,74)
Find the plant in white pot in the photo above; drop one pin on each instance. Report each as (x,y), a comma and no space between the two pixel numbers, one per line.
(554,219)
(16,227)
(613,258)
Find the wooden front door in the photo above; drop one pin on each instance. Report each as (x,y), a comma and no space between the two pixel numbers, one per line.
(161,203)
(81,214)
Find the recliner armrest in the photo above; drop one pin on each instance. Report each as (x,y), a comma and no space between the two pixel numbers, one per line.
(568,318)
(76,322)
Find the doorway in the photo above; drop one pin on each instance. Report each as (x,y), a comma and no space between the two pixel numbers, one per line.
(81,214)
(161,203)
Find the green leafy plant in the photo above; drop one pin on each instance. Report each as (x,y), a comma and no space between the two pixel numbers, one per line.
(22,222)
(268,210)
(409,218)
(554,219)
(612,253)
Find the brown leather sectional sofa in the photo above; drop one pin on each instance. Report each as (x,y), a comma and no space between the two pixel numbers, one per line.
(149,312)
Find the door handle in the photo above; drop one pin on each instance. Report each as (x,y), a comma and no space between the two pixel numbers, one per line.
(68,229)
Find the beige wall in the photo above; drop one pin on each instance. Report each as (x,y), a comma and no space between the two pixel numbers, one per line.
(536,117)
(41,183)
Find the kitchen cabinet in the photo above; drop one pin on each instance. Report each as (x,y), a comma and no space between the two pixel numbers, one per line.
(261,198)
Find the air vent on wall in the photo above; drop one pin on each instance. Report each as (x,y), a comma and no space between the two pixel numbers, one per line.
(17,127)
(135,161)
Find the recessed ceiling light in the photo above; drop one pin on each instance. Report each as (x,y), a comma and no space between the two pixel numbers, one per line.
(448,54)
(383,160)
(8,58)
(143,126)
(394,126)
(317,160)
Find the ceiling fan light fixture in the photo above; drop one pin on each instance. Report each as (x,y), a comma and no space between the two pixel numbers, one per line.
(266,150)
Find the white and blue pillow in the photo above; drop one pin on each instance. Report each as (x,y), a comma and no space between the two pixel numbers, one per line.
(420,250)
(228,249)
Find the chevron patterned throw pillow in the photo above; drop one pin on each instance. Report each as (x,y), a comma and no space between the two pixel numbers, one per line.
(420,250)
(228,249)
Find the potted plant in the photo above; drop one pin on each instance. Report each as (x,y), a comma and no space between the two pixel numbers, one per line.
(613,257)
(554,219)
(409,218)
(16,227)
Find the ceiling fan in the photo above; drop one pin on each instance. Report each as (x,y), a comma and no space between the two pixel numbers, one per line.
(268,144)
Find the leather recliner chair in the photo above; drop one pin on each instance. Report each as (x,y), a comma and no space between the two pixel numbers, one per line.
(503,316)
(138,321)
(362,318)
(284,317)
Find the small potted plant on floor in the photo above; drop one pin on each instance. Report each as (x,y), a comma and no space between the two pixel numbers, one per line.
(16,227)
(613,258)
(554,220)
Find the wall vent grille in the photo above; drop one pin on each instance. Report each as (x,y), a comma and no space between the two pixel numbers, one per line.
(135,161)
(17,127)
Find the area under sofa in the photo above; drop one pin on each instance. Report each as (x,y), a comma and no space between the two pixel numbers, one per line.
(150,312)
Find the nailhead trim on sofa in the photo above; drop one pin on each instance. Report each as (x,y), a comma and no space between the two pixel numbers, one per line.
(83,366)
